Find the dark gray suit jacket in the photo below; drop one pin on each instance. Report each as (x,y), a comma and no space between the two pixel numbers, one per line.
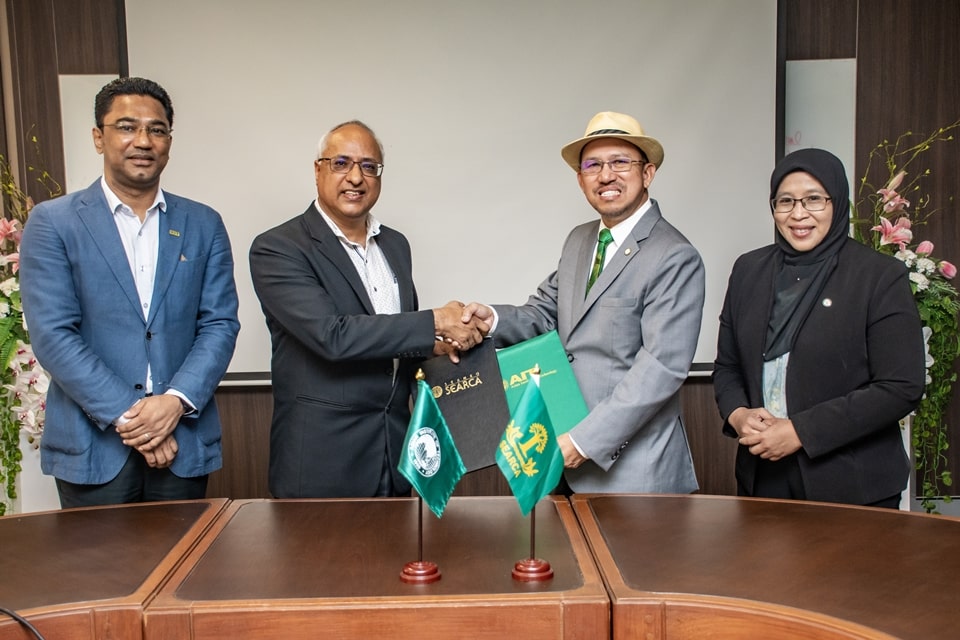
(337,407)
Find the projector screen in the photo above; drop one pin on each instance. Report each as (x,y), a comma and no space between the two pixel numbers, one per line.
(472,102)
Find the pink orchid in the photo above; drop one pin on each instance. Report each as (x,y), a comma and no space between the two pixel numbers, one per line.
(947,269)
(925,248)
(894,233)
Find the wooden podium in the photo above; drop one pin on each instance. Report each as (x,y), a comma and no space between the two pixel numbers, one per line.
(86,574)
(299,569)
(733,568)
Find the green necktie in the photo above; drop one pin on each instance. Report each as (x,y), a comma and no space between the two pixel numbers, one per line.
(605,238)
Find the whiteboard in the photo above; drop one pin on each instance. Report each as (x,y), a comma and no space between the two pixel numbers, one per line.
(472,101)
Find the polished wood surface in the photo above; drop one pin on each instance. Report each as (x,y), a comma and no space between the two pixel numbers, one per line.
(699,566)
(296,568)
(87,573)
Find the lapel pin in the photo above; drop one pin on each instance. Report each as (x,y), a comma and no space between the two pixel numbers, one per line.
(626,251)
(174,233)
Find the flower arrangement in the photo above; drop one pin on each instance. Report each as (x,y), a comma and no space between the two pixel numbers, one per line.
(23,382)
(892,222)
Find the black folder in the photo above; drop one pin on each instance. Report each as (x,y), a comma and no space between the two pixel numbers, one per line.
(471,398)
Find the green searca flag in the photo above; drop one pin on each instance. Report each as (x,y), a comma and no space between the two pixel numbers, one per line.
(430,460)
(529,455)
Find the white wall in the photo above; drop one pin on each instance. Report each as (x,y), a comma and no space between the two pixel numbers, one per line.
(473,102)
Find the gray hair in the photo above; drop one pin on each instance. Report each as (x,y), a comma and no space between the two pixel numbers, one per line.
(323,140)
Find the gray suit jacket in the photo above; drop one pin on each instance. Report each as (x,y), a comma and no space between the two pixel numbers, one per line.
(630,343)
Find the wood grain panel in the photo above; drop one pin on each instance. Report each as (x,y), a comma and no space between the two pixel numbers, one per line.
(908,56)
(36,92)
(821,29)
(88,35)
(245,414)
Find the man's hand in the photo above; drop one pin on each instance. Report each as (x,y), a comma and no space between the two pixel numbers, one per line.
(161,456)
(476,311)
(448,324)
(443,348)
(150,421)
(571,457)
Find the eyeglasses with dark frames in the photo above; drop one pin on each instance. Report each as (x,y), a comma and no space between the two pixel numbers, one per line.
(343,164)
(812,203)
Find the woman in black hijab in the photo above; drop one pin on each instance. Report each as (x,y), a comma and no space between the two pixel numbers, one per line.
(820,352)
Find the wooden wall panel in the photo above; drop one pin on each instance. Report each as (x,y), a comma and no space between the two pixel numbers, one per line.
(245,415)
(907,80)
(89,35)
(821,29)
(36,92)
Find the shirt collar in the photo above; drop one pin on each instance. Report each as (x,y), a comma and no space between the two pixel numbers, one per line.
(114,202)
(373,225)
(622,230)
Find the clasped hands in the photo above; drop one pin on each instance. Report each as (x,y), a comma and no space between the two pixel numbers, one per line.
(764,434)
(460,327)
(148,427)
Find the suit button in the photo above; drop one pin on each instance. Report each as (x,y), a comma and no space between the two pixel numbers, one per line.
(138,387)
(570,357)
(615,455)
(149,336)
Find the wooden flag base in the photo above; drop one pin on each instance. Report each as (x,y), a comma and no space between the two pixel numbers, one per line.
(420,572)
(532,570)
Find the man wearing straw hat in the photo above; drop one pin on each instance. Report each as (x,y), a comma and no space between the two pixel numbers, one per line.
(626,300)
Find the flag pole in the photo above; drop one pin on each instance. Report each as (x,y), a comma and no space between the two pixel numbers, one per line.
(420,571)
(533,569)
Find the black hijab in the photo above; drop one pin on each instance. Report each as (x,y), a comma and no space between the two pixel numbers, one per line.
(803,274)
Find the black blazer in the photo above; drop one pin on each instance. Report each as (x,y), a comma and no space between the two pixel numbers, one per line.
(856,369)
(336,405)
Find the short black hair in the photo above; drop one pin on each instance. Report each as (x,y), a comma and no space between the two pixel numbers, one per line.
(130,87)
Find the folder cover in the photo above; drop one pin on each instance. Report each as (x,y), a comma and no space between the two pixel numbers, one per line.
(559,387)
(471,399)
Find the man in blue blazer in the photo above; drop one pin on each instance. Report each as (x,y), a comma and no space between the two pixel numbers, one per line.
(129,297)
(626,300)
(336,288)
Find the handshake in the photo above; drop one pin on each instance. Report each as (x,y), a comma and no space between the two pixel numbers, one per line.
(460,327)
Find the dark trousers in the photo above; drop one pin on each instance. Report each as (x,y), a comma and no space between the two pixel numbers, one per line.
(136,482)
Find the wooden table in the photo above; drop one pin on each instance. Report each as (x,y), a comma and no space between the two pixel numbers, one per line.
(720,567)
(86,573)
(331,568)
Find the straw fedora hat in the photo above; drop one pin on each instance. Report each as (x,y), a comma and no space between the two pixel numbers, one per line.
(609,124)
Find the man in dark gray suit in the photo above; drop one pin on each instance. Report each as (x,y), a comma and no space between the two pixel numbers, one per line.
(626,300)
(337,291)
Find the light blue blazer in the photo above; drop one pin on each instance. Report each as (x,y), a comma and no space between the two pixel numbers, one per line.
(88,331)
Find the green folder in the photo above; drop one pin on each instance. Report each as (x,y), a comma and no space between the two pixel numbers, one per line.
(557,384)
